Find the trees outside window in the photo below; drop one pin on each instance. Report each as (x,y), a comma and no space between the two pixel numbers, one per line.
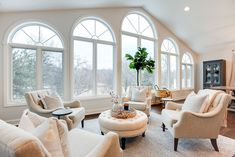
(36,60)
(187,71)
(93,48)
(169,65)
(136,32)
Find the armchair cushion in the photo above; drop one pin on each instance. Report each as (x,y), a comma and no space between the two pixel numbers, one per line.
(52,102)
(137,105)
(139,95)
(170,117)
(194,103)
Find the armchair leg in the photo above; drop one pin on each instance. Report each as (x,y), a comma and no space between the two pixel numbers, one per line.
(214,144)
(82,123)
(163,127)
(175,143)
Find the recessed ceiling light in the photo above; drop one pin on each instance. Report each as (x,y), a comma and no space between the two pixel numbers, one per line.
(186,9)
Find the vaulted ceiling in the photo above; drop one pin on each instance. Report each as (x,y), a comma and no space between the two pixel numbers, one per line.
(209,25)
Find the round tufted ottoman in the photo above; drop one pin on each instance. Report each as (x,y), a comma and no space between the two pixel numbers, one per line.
(130,127)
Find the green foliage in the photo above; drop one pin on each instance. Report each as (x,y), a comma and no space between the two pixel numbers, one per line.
(140,61)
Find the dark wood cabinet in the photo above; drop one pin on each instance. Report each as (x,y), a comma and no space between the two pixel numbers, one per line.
(214,73)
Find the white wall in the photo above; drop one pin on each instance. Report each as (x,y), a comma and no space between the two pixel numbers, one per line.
(63,21)
(225,54)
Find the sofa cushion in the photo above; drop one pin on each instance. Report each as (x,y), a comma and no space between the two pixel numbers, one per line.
(194,103)
(17,142)
(138,94)
(137,105)
(48,134)
(82,142)
(170,117)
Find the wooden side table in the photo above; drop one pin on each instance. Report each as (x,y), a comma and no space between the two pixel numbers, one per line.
(61,112)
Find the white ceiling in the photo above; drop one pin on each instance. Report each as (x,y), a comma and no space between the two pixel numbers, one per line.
(208,27)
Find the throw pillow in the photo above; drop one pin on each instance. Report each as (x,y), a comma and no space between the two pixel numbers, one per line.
(194,103)
(53,102)
(138,95)
(48,134)
(29,121)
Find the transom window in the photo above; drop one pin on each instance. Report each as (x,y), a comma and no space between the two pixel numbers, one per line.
(136,32)
(187,71)
(93,46)
(169,64)
(36,60)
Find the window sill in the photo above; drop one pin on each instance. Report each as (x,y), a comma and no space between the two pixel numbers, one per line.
(92,98)
(15,104)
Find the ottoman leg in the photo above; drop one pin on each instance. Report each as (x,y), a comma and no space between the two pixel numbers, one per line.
(123,143)
(143,135)
(102,133)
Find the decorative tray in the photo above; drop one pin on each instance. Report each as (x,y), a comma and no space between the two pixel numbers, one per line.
(124,114)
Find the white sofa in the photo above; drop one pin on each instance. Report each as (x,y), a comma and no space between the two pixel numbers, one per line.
(185,124)
(16,142)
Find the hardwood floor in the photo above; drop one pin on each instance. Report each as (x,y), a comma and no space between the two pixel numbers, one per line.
(228,132)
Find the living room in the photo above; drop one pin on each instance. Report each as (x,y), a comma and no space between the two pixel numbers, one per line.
(78,50)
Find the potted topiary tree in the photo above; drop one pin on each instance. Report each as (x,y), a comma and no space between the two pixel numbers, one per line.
(140,62)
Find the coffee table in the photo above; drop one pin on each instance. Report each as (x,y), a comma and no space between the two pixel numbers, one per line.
(61,112)
(125,128)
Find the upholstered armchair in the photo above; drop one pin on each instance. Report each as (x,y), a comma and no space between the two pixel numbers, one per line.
(77,116)
(139,97)
(206,125)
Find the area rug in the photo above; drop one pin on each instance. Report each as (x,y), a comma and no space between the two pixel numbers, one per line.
(160,144)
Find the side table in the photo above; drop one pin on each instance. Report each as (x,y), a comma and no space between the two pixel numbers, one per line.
(61,112)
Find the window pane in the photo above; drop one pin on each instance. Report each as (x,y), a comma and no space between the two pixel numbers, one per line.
(23,72)
(173,72)
(104,69)
(147,78)
(37,35)
(189,76)
(168,46)
(164,71)
(183,76)
(53,71)
(129,45)
(186,59)
(93,29)
(83,75)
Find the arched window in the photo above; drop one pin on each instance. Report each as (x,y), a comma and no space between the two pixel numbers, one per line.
(136,32)
(169,65)
(93,47)
(36,60)
(187,71)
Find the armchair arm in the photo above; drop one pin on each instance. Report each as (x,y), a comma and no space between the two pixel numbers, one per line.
(173,106)
(108,147)
(73,104)
(198,125)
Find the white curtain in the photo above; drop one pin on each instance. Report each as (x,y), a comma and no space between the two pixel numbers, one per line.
(232,74)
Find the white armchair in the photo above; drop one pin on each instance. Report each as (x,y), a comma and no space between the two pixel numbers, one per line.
(142,105)
(184,124)
(33,101)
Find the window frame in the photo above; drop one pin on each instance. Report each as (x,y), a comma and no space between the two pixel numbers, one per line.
(139,38)
(8,99)
(169,54)
(186,71)
(95,43)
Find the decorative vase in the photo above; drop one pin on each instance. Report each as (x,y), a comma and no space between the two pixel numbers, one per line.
(117,107)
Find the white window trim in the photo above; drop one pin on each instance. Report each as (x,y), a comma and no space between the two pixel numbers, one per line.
(7,63)
(95,42)
(169,69)
(186,77)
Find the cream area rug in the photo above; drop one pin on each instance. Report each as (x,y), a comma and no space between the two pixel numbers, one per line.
(157,143)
